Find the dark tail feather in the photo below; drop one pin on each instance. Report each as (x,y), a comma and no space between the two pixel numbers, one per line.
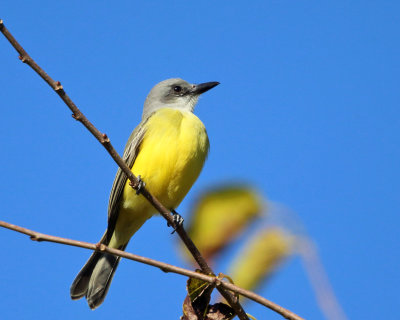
(81,283)
(94,280)
(100,279)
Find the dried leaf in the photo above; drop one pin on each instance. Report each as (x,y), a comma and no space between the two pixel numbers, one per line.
(220,311)
(197,303)
(199,289)
(188,310)
(195,306)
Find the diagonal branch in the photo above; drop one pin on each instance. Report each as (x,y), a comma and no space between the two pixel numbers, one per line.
(37,236)
(105,141)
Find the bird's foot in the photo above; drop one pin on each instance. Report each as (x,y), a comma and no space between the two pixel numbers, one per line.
(177,218)
(140,185)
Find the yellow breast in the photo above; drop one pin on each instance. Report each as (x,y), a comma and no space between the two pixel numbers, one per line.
(171,156)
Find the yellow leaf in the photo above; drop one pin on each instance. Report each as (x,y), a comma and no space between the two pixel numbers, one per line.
(260,257)
(221,215)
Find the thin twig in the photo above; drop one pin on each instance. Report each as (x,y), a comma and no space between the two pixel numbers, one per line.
(105,141)
(323,290)
(37,236)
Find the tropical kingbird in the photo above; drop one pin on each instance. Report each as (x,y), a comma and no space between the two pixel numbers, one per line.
(167,149)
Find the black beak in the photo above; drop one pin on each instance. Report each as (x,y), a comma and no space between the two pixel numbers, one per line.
(203,87)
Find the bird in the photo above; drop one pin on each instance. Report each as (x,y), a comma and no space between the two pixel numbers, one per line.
(167,150)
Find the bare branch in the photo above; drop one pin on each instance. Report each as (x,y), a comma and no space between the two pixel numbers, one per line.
(37,236)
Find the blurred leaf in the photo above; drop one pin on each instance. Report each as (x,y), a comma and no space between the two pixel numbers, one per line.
(220,215)
(260,257)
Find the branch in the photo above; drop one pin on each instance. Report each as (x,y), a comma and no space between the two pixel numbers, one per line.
(134,182)
(37,236)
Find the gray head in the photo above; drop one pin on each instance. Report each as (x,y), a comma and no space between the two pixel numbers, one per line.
(174,93)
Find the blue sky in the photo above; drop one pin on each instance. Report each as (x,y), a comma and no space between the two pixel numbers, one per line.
(307,110)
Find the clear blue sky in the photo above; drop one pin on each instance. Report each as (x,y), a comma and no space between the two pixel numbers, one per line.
(307,110)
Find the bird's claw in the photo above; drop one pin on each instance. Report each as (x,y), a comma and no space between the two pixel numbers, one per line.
(178,220)
(140,185)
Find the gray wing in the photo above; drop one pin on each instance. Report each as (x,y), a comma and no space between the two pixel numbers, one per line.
(130,153)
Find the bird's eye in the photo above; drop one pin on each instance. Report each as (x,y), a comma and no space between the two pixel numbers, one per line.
(177,89)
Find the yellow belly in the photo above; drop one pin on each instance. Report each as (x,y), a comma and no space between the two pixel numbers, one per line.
(170,159)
